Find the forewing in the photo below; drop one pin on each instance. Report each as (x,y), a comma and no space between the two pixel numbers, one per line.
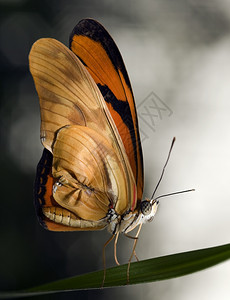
(100,55)
(66,92)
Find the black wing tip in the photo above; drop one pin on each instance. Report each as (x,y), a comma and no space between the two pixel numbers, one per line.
(87,27)
(97,32)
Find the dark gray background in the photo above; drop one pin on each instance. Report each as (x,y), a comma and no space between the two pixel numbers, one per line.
(180,51)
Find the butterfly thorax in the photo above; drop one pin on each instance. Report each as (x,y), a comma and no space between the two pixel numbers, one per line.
(126,222)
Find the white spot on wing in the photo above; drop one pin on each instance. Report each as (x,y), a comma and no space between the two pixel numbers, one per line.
(55,186)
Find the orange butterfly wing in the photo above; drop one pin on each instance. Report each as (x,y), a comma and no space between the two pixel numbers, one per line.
(69,96)
(97,50)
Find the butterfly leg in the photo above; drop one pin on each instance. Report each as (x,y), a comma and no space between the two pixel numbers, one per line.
(133,252)
(104,260)
(115,249)
(136,255)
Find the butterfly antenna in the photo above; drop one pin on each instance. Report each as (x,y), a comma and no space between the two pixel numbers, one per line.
(175,193)
(162,173)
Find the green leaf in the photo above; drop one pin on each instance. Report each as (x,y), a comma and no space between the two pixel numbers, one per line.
(150,270)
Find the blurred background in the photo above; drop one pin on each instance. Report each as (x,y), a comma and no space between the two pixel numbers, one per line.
(177,56)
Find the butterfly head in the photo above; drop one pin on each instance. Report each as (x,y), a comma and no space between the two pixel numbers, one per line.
(148,208)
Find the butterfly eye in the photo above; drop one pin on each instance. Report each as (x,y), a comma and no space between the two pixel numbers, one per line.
(146,207)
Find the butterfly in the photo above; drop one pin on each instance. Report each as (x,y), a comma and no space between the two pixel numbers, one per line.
(90,175)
